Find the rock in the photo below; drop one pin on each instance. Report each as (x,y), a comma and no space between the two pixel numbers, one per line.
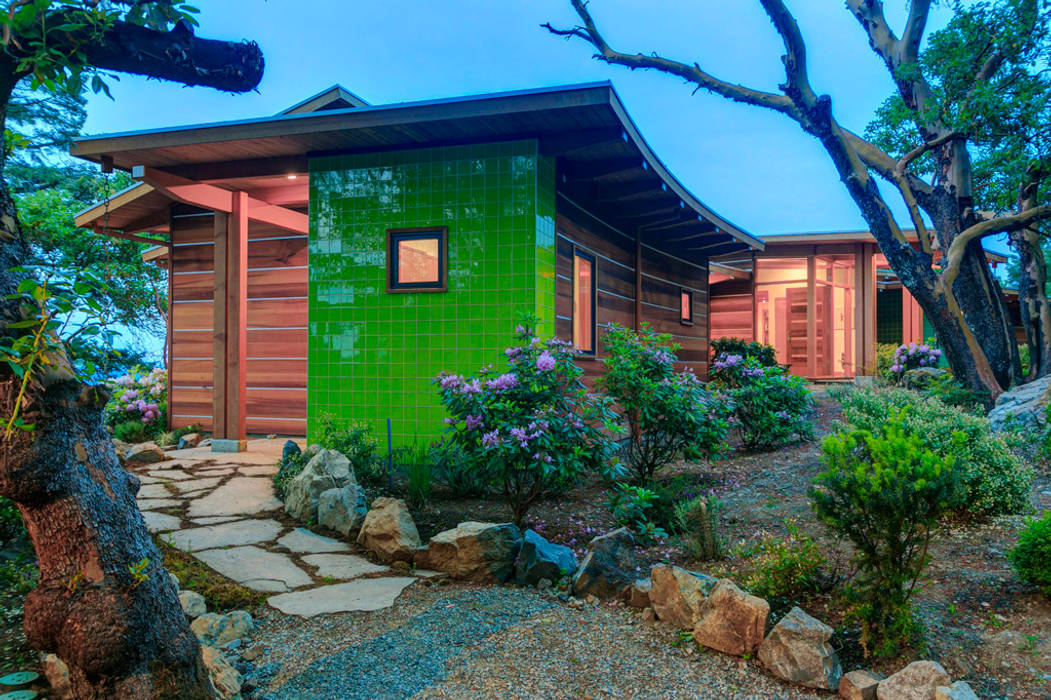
(189,440)
(917,681)
(225,678)
(192,604)
(326,470)
(960,690)
(639,594)
(1023,405)
(57,674)
(421,558)
(797,650)
(541,559)
(677,595)
(144,453)
(216,630)
(289,449)
(120,447)
(342,509)
(731,621)
(609,567)
(389,531)
(648,615)
(483,552)
(859,685)
(207,442)
(252,653)
(174,579)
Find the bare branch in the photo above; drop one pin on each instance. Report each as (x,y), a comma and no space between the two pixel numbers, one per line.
(1001,224)
(909,46)
(798,84)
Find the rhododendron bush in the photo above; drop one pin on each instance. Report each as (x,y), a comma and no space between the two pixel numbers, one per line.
(141,396)
(913,356)
(771,407)
(532,427)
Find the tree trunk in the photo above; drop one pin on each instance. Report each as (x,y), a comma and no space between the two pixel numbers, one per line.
(120,638)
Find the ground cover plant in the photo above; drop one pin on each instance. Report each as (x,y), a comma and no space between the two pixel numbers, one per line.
(668,414)
(784,570)
(697,522)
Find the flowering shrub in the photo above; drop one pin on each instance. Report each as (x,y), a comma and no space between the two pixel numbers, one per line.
(764,355)
(912,356)
(668,414)
(139,396)
(771,407)
(531,428)
(783,569)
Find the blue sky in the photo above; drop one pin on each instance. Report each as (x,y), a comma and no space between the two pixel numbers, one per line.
(756,168)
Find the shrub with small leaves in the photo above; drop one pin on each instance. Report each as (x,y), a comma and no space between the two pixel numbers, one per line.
(131,431)
(141,395)
(764,355)
(1031,557)
(287,469)
(783,569)
(885,493)
(771,407)
(354,441)
(454,471)
(697,521)
(630,507)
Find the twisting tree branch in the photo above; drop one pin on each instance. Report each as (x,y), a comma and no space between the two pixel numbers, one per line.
(906,190)
(1001,224)
(797,85)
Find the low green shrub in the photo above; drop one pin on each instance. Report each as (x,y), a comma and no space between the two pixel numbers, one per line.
(884,359)
(131,431)
(783,569)
(414,462)
(697,522)
(456,473)
(764,355)
(885,493)
(1031,557)
(630,507)
(11,525)
(954,393)
(771,407)
(172,437)
(355,442)
(18,575)
(995,481)
(287,469)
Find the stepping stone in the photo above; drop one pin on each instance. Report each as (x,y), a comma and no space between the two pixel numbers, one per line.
(196,484)
(160,522)
(427,573)
(258,471)
(167,464)
(154,491)
(214,520)
(215,471)
(146,479)
(193,494)
(342,566)
(240,495)
(302,540)
(236,533)
(365,594)
(155,503)
(256,568)
(171,475)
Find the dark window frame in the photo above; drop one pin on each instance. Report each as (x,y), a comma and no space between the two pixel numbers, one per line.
(688,293)
(394,235)
(590,257)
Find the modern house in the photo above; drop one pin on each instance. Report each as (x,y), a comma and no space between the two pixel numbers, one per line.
(333,258)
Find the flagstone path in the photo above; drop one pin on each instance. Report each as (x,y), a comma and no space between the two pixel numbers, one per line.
(221,509)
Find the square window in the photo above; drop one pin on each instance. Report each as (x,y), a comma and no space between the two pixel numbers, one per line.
(417,259)
(686,307)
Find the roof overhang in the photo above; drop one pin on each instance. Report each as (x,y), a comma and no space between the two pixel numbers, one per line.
(602,157)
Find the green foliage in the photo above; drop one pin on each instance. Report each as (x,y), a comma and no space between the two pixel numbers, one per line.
(954,393)
(415,463)
(630,506)
(1031,557)
(884,359)
(771,407)
(454,470)
(697,522)
(10,520)
(355,442)
(287,469)
(885,493)
(532,428)
(140,395)
(783,569)
(669,414)
(172,437)
(18,576)
(764,355)
(994,480)
(131,431)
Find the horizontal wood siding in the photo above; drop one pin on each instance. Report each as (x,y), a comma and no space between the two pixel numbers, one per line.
(277,320)
(663,276)
(732,309)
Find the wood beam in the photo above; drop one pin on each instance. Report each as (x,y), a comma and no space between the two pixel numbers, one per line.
(646,209)
(219,300)
(616,191)
(217,199)
(570,142)
(606,167)
(237,169)
(130,237)
(158,219)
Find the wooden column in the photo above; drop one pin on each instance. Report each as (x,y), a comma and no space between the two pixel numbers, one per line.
(811,316)
(231,326)
(219,326)
(911,318)
(638,280)
(861,365)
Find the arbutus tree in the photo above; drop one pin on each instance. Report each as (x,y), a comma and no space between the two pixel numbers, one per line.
(941,117)
(104,603)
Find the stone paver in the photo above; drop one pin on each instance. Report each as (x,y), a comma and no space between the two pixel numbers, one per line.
(365,594)
(214,520)
(342,566)
(167,464)
(155,503)
(239,532)
(171,475)
(302,540)
(154,491)
(268,470)
(256,568)
(160,522)
(240,495)
(196,484)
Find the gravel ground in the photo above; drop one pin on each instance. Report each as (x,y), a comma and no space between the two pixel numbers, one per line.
(468,642)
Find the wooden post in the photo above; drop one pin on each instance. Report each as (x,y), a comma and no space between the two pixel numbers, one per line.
(230,333)
(811,316)
(638,280)
(861,365)
(911,318)
(219,366)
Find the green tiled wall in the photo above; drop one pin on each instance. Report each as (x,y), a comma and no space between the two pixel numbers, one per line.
(372,354)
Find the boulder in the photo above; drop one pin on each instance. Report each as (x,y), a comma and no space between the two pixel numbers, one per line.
(389,531)
(57,673)
(731,621)
(174,580)
(797,650)
(540,559)
(144,453)
(225,678)
(342,509)
(609,566)
(483,552)
(960,690)
(677,595)
(639,594)
(289,449)
(192,604)
(120,447)
(326,470)
(216,630)
(917,681)
(189,440)
(859,685)
(1023,405)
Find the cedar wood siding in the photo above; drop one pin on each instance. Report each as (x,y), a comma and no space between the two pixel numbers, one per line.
(277,319)
(663,275)
(733,309)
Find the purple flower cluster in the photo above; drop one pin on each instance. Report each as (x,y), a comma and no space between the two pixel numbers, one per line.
(727,361)
(546,362)
(914,355)
(141,396)
(505,382)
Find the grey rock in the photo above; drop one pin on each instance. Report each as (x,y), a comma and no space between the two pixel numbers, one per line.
(1022,405)
(326,470)
(57,673)
(226,679)
(960,690)
(389,531)
(797,650)
(192,604)
(342,509)
(608,569)
(540,559)
(213,629)
(144,453)
(290,448)
(189,440)
(917,681)
(483,552)
(677,595)
(859,685)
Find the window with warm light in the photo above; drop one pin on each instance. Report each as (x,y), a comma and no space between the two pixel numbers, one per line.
(584,302)
(416,260)
(686,307)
